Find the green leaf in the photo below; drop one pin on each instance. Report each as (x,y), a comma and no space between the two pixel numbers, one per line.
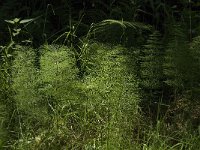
(16,20)
(9,21)
(17,30)
(27,41)
(26,21)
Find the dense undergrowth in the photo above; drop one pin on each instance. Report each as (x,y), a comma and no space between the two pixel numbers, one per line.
(117,103)
(69,79)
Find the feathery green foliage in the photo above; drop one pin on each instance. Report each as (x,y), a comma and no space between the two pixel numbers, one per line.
(151,63)
(194,48)
(81,94)
(112,88)
(7,104)
(151,74)
(100,110)
(43,95)
(178,63)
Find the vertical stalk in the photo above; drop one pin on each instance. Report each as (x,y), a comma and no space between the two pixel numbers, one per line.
(190,18)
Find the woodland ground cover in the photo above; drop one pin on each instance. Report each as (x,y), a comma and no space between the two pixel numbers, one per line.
(113,81)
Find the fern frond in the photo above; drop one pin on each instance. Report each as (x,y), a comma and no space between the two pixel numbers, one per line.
(151,63)
(123,24)
(178,60)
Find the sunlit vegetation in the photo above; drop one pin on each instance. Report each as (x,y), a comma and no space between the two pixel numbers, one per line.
(105,75)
